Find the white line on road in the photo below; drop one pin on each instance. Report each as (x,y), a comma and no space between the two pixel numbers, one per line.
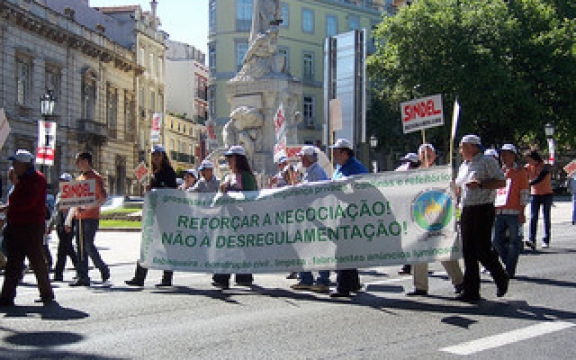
(509,337)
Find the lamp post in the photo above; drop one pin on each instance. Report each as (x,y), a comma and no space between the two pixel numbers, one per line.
(549,131)
(47,102)
(373,144)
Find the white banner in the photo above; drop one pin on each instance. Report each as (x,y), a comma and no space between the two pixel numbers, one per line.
(364,221)
(422,113)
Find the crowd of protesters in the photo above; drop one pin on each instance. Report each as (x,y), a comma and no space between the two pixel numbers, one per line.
(491,187)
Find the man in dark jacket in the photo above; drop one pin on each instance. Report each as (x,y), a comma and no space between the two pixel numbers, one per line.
(26,216)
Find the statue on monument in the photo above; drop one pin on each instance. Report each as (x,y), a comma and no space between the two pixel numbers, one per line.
(244,128)
(264,14)
(262,55)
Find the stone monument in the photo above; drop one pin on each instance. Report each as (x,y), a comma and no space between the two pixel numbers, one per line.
(256,92)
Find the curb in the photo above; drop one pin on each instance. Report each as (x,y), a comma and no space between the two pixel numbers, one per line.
(120,229)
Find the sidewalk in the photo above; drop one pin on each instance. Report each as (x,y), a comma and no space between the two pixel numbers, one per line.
(561,210)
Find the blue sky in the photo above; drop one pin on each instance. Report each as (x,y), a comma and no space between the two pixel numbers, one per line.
(185,20)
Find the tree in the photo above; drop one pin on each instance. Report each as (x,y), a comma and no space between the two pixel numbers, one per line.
(511,64)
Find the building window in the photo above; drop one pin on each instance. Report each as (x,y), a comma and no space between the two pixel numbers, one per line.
(243,15)
(160,70)
(161,102)
(152,100)
(308,66)
(309,110)
(212,58)
(129,119)
(212,16)
(353,22)
(151,71)
(331,25)
(142,58)
(112,110)
(52,79)
(285,15)
(23,80)
(284,52)
(307,21)
(89,95)
(241,49)
(212,100)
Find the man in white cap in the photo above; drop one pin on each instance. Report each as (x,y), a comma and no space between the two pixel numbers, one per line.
(478,178)
(427,156)
(208,183)
(409,161)
(65,247)
(347,280)
(510,203)
(26,216)
(313,172)
(286,175)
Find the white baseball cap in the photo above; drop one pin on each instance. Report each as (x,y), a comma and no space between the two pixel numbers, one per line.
(23,156)
(206,164)
(342,144)
(424,146)
(235,150)
(412,157)
(307,150)
(192,172)
(491,152)
(471,139)
(508,147)
(65,177)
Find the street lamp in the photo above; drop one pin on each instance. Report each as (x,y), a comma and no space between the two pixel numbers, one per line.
(549,130)
(47,102)
(373,144)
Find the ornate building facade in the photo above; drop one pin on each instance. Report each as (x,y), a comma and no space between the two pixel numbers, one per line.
(45,48)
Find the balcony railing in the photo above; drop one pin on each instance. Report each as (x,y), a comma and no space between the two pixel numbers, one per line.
(181,157)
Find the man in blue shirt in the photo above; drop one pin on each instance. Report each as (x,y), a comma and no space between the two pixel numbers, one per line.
(347,280)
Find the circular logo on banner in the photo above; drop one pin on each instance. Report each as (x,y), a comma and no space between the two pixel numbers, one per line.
(432,210)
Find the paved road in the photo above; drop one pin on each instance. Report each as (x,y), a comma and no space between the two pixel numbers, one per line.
(193,320)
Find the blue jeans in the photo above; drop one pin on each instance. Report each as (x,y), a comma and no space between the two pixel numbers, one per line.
(508,248)
(573,209)
(537,201)
(88,249)
(307,278)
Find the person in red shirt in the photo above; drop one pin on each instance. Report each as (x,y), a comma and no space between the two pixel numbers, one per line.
(510,203)
(542,196)
(87,220)
(25,213)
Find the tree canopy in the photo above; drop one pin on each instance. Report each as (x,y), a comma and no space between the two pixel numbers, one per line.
(511,65)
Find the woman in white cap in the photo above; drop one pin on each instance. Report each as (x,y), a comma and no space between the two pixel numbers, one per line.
(163,176)
(240,178)
(190,179)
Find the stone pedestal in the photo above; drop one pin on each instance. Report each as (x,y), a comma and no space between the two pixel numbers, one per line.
(266,94)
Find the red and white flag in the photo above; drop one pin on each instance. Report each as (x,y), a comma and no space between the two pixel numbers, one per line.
(46,143)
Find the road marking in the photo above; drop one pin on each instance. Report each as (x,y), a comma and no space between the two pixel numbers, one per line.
(506,338)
